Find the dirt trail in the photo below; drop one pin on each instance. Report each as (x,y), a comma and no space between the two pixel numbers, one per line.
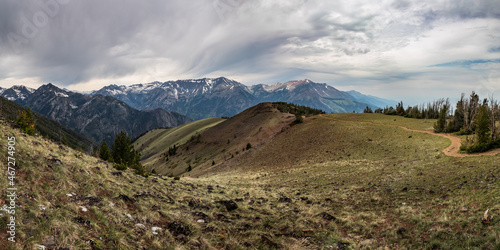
(452,150)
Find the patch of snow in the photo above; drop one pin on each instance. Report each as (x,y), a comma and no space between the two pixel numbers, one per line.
(61,94)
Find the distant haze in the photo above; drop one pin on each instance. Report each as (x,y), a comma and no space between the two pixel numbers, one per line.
(403,50)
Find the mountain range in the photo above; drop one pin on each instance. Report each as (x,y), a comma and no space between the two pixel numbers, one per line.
(97,117)
(138,108)
(217,97)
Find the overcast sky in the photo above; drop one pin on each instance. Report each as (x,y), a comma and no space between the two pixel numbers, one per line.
(402,50)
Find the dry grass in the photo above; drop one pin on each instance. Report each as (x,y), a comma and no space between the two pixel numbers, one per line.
(321,184)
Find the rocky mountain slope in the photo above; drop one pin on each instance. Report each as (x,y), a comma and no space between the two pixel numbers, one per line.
(204,98)
(47,127)
(97,117)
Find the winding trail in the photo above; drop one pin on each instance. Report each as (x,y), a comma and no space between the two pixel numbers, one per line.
(452,150)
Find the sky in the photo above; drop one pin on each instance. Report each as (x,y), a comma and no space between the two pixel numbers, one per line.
(415,51)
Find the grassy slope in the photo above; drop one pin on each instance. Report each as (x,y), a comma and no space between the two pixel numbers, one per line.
(392,190)
(226,140)
(155,143)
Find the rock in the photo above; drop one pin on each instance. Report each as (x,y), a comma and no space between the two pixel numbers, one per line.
(177,228)
(486,218)
(229,204)
(156,230)
(200,221)
(140,227)
(129,216)
(84,209)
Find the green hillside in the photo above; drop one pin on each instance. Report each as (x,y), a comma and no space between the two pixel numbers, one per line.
(154,144)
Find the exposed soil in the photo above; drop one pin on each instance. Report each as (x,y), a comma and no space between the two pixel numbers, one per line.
(453,150)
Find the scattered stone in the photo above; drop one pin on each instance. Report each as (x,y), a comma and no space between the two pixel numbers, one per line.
(69,195)
(229,204)
(129,216)
(84,209)
(156,230)
(200,221)
(486,218)
(177,228)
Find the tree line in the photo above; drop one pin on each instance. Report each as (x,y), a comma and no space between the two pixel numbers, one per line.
(471,116)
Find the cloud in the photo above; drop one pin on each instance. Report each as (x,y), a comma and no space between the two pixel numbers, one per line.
(380,47)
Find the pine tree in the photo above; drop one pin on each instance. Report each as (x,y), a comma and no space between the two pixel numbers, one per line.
(439,126)
(104,152)
(483,125)
(26,121)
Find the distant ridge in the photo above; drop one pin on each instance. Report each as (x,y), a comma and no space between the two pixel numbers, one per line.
(217,97)
(97,117)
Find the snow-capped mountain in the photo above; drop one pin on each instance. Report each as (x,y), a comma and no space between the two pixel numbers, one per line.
(17,93)
(216,97)
(196,98)
(97,117)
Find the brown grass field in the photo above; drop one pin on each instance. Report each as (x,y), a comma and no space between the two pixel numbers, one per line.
(338,181)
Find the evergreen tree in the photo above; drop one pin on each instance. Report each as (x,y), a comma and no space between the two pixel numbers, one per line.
(483,125)
(104,152)
(439,126)
(26,121)
(368,110)
(125,155)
